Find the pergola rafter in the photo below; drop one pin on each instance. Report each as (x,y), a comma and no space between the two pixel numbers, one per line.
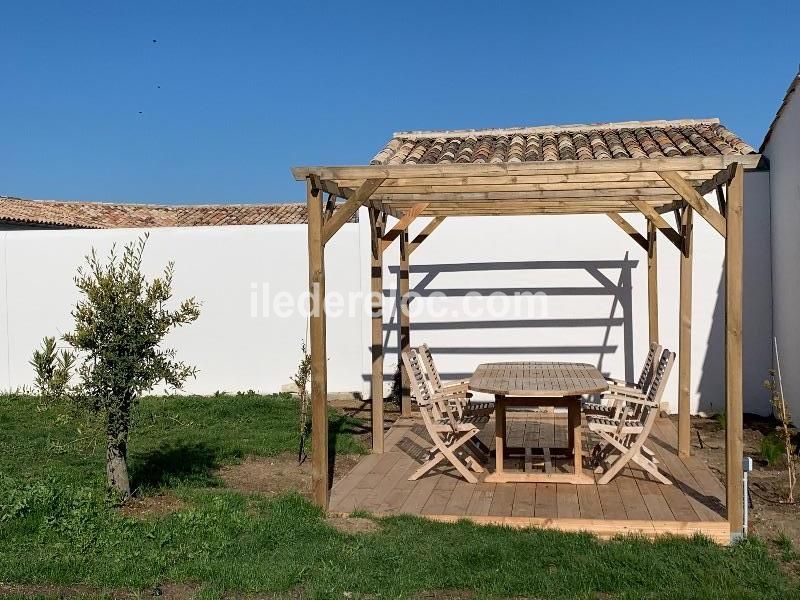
(649,186)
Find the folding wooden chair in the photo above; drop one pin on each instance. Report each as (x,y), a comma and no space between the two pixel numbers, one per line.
(618,387)
(624,435)
(457,392)
(448,432)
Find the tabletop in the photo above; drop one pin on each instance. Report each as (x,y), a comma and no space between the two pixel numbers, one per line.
(538,379)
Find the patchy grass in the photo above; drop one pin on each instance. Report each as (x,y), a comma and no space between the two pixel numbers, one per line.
(176,441)
(56,528)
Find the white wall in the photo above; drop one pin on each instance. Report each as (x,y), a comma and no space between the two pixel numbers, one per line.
(219,265)
(595,280)
(783,152)
(593,275)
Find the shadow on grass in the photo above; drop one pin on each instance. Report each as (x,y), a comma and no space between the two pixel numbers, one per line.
(169,465)
(341,429)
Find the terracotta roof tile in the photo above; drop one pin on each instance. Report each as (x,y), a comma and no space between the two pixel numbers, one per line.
(605,141)
(97,215)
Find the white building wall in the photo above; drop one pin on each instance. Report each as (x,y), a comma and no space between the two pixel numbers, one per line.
(220,266)
(783,152)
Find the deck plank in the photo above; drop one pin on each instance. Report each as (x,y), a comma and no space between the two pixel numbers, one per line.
(524,500)
(567,501)
(503,500)
(546,501)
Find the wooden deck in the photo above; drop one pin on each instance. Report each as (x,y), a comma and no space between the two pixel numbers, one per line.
(632,503)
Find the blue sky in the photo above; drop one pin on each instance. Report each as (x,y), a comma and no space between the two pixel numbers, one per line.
(232,94)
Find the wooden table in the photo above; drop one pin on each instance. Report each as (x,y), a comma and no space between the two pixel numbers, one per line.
(536,384)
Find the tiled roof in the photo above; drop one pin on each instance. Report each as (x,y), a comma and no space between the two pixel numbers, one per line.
(97,215)
(652,139)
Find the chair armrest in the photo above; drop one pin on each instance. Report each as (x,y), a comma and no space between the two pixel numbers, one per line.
(632,399)
(446,396)
(620,382)
(624,391)
(456,386)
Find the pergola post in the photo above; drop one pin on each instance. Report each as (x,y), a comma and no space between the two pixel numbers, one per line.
(685,334)
(652,283)
(403,324)
(377,221)
(319,367)
(733,349)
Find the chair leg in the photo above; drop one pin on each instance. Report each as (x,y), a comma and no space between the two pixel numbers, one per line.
(448,451)
(648,466)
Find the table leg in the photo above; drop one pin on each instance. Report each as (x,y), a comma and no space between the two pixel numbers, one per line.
(575,435)
(499,433)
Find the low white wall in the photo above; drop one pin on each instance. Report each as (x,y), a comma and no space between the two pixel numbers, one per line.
(783,152)
(594,278)
(232,349)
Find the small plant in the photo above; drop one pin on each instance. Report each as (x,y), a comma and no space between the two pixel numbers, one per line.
(781,411)
(396,393)
(786,546)
(121,320)
(721,420)
(53,370)
(771,449)
(301,379)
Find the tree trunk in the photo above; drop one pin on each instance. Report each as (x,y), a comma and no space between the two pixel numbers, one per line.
(117,466)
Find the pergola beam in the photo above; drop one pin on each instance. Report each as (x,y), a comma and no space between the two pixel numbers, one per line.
(630,230)
(656,219)
(617,165)
(506,193)
(377,222)
(391,184)
(685,334)
(403,324)
(733,350)
(403,223)
(317,343)
(346,211)
(652,283)
(425,233)
(718,179)
(697,202)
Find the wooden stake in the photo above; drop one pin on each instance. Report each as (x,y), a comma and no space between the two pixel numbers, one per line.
(652,282)
(404,326)
(733,349)
(377,221)
(685,335)
(319,367)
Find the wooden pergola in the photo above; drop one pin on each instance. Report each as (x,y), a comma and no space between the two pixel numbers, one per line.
(658,188)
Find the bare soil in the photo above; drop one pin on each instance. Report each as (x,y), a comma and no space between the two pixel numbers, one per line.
(770,516)
(276,474)
(152,506)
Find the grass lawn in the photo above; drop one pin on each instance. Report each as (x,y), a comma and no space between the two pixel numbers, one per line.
(56,527)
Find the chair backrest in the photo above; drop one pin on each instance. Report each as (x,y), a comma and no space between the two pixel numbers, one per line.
(430,367)
(419,385)
(647,412)
(660,375)
(430,408)
(648,369)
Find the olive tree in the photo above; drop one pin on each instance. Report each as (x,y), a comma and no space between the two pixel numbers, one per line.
(121,319)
